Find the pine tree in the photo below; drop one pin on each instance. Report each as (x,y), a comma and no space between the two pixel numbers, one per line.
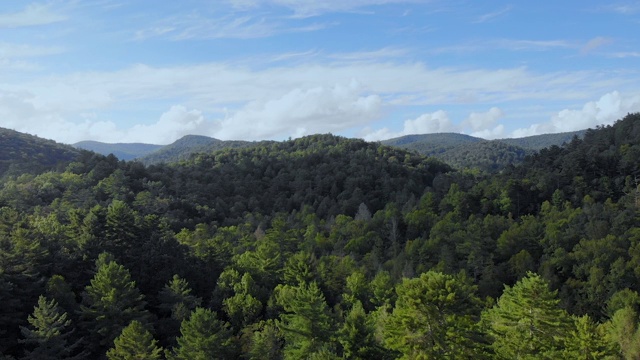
(306,323)
(526,322)
(177,292)
(204,337)
(110,303)
(135,343)
(434,318)
(177,303)
(623,333)
(47,337)
(585,341)
(357,336)
(265,341)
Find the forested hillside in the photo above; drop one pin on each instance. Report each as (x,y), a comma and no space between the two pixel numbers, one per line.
(325,248)
(184,147)
(22,153)
(468,152)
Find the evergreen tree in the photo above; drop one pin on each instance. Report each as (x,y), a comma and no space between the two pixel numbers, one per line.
(526,322)
(586,341)
(47,337)
(176,304)
(265,341)
(434,318)
(306,322)
(110,303)
(624,334)
(357,336)
(204,337)
(176,297)
(135,343)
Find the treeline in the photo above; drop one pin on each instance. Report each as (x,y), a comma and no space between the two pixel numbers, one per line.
(325,247)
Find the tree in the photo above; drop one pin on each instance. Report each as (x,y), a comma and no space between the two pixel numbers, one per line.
(47,337)
(586,341)
(176,299)
(204,337)
(135,343)
(265,341)
(357,336)
(176,304)
(526,322)
(624,334)
(111,302)
(305,322)
(434,318)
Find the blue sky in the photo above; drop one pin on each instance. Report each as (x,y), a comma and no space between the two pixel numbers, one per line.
(154,71)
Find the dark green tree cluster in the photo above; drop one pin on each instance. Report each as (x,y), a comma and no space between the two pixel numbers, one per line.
(322,248)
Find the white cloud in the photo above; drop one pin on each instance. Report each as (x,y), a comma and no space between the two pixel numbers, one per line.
(231,26)
(595,43)
(479,124)
(436,122)
(309,8)
(301,112)
(481,121)
(492,15)
(32,15)
(9,50)
(175,123)
(280,101)
(604,111)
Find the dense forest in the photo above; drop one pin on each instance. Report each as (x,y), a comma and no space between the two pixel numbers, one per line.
(325,247)
(468,152)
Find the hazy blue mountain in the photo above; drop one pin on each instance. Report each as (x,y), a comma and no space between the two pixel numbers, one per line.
(123,151)
(538,142)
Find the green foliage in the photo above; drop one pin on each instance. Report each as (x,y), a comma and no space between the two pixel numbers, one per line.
(526,322)
(135,343)
(586,341)
(305,322)
(110,303)
(49,334)
(624,334)
(203,337)
(434,318)
(309,238)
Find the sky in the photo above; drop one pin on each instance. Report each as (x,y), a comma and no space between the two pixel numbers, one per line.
(153,71)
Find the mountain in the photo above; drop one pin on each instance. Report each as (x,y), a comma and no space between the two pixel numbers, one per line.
(123,151)
(430,144)
(332,229)
(184,147)
(24,153)
(464,151)
(537,142)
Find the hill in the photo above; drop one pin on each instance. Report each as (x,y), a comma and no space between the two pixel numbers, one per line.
(464,151)
(184,147)
(537,142)
(23,153)
(373,243)
(123,151)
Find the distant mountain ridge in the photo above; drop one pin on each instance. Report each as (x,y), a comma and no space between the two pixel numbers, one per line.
(123,151)
(458,150)
(465,151)
(184,147)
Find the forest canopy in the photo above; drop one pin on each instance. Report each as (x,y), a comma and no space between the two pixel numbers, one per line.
(323,247)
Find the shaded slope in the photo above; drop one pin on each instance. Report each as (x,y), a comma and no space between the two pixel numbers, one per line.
(23,153)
